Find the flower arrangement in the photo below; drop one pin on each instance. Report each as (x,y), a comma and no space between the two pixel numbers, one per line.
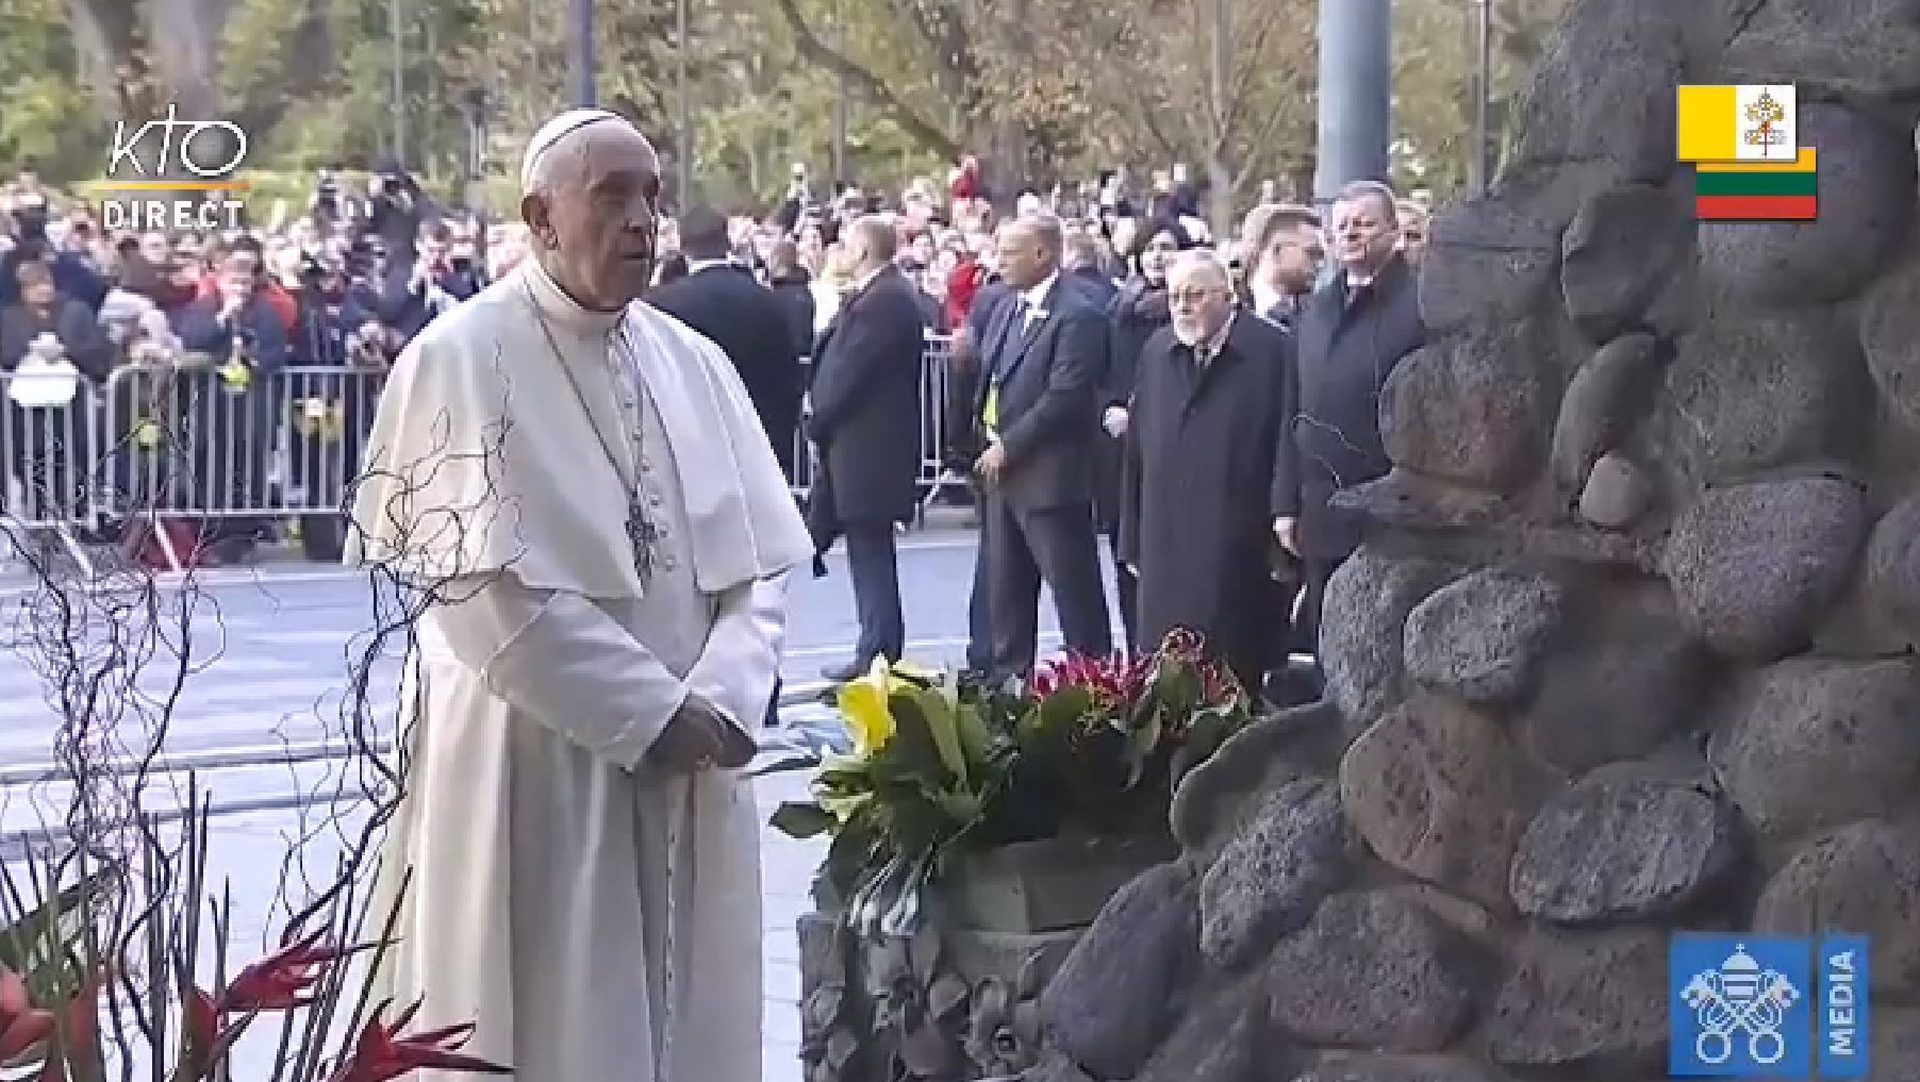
(1091,747)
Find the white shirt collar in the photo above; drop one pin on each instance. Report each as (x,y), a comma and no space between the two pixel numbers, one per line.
(866,279)
(695,266)
(1037,296)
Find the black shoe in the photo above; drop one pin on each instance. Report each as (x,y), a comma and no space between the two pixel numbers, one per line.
(841,674)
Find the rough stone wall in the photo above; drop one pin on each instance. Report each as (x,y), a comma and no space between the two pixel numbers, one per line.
(1633,646)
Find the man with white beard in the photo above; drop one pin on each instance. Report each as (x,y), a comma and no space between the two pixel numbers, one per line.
(1208,464)
(581,487)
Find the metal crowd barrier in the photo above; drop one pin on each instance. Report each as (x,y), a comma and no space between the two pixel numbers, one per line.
(935,477)
(49,424)
(212,445)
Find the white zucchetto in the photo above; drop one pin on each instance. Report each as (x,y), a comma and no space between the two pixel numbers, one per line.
(555,130)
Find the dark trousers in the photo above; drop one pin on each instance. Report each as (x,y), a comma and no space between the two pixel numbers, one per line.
(874,566)
(979,609)
(1128,587)
(1057,545)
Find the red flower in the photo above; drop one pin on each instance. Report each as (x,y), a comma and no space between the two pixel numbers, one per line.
(380,1055)
(202,1021)
(22,1026)
(277,982)
(77,1031)
(1111,681)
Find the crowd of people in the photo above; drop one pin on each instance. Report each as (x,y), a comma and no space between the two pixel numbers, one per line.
(1116,372)
(834,366)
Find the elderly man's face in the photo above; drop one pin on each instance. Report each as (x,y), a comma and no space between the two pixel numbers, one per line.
(1023,260)
(1364,233)
(1199,298)
(600,218)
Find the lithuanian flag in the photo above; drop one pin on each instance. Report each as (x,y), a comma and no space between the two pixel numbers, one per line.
(1757,191)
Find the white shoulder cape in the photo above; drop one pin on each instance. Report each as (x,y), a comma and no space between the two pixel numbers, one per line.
(482,459)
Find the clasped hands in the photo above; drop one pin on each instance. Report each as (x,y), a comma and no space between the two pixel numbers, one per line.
(699,737)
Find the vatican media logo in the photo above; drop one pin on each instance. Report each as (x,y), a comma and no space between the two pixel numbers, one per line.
(1748,1006)
(189,170)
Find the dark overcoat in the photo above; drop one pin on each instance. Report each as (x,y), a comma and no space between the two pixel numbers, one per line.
(866,401)
(1204,474)
(1136,311)
(1349,342)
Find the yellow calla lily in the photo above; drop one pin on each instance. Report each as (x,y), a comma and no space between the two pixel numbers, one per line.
(864,710)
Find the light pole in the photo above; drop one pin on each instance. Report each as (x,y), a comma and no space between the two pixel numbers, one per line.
(684,122)
(580,53)
(1481,165)
(1356,94)
(397,25)
(839,101)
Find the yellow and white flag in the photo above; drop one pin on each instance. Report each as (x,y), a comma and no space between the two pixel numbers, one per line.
(1738,124)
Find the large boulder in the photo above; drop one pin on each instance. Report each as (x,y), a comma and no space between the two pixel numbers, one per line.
(1890,338)
(1866,207)
(1273,874)
(1621,252)
(1753,566)
(1863,879)
(1812,745)
(1482,637)
(1484,255)
(1110,1004)
(1363,622)
(1371,971)
(1625,677)
(1615,849)
(1606,399)
(1593,1000)
(1436,790)
(1893,568)
(1859,50)
(1753,393)
(1474,407)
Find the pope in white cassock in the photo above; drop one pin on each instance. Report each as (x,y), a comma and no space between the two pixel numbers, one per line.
(581,484)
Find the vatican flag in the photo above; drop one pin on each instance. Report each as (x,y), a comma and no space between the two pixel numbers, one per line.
(1738,124)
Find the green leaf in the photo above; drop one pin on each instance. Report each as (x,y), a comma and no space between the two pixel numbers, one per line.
(1141,744)
(944,726)
(976,739)
(802,820)
(916,744)
(44,936)
(1066,706)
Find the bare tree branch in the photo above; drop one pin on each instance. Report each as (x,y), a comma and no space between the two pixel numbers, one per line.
(870,85)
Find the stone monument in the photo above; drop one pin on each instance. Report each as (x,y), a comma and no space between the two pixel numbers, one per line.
(1631,646)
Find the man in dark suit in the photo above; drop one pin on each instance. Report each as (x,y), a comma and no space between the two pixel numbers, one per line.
(720,298)
(1352,333)
(963,417)
(1083,266)
(866,423)
(1037,403)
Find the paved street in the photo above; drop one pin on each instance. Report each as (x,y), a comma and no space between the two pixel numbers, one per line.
(267,659)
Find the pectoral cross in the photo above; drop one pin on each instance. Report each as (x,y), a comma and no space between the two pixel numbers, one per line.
(641,534)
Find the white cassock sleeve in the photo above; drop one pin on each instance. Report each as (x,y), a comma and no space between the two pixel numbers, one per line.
(741,663)
(560,658)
